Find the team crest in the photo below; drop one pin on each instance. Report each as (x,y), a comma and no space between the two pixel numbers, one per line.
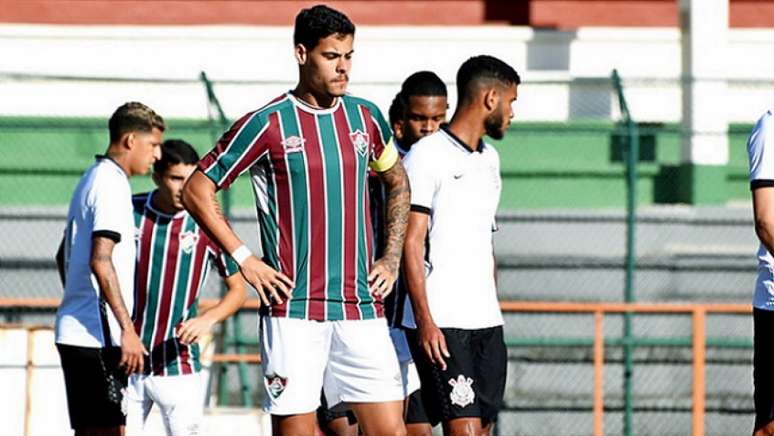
(188,241)
(293,143)
(360,140)
(275,385)
(462,394)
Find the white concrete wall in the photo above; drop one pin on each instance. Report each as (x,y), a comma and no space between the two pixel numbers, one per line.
(254,64)
(48,402)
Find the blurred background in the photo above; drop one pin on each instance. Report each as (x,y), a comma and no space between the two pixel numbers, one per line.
(624,175)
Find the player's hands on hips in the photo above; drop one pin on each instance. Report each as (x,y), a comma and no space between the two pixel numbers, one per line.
(192,330)
(267,281)
(132,352)
(384,272)
(433,343)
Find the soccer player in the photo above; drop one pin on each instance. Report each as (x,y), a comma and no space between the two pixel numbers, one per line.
(308,152)
(173,258)
(99,347)
(760,148)
(455,189)
(417,111)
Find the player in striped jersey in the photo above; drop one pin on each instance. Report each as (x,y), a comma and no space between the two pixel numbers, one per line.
(173,258)
(308,153)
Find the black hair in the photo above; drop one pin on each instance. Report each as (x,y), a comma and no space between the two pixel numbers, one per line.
(480,69)
(173,152)
(397,109)
(132,117)
(423,83)
(319,22)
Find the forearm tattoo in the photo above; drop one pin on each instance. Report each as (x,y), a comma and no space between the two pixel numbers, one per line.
(398,199)
(111,290)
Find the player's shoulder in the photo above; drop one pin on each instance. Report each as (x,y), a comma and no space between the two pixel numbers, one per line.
(261,115)
(427,149)
(352,100)
(762,131)
(140,200)
(490,150)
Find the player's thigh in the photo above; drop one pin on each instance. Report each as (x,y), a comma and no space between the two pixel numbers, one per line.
(763,362)
(138,404)
(491,362)
(94,385)
(294,356)
(362,367)
(449,394)
(380,419)
(180,401)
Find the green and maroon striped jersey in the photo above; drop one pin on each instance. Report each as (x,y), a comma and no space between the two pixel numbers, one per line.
(173,258)
(308,167)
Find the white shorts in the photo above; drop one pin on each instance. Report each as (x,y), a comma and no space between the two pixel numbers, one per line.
(354,361)
(180,399)
(408,369)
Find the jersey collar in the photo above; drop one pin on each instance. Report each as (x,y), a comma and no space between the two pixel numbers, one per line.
(149,205)
(101,157)
(306,107)
(459,143)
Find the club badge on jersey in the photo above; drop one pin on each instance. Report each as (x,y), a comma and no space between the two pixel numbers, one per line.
(276,385)
(188,241)
(360,140)
(462,394)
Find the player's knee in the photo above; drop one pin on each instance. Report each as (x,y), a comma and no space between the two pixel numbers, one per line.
(419,430)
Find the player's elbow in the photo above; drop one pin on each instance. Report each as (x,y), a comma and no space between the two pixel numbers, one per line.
(764,228)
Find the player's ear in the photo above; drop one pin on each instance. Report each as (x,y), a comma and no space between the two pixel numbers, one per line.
(301,54)
(397,130)
(128,140)
(491,98)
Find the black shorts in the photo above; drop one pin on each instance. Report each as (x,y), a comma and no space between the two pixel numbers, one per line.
(415,412)
(763,362)
(473,383)
(95,386)
(326,415)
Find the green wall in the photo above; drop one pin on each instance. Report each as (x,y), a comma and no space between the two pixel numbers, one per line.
(544,165)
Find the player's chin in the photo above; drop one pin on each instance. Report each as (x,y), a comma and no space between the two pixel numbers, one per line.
(337,89)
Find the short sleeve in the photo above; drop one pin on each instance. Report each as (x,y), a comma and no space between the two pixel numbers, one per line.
(384,154)
(760,149)
(423,178)
(237,150)
(108,208)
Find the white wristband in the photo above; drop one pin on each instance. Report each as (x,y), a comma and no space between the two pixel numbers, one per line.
(241,254)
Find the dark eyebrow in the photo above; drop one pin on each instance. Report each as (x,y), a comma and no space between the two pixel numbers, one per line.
(328,53)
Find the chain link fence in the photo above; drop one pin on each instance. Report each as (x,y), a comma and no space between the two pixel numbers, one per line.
(562,237)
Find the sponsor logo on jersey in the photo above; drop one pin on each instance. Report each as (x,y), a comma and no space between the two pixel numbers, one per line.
(462,394)
(360,140)
(188,241)
(276,385)
(293,143)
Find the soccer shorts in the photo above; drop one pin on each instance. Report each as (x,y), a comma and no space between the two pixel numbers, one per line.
(180,399)
(408,369)
(763,362)
(354,360)
(473,383)
(95,386)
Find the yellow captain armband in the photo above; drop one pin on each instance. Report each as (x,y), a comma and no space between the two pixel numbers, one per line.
(386,160)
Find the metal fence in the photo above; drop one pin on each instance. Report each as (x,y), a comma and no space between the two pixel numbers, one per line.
(568,232)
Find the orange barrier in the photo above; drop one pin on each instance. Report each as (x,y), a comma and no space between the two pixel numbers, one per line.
(598,310)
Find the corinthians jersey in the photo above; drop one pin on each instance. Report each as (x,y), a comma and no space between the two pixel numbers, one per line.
(309,167)
(173,258)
